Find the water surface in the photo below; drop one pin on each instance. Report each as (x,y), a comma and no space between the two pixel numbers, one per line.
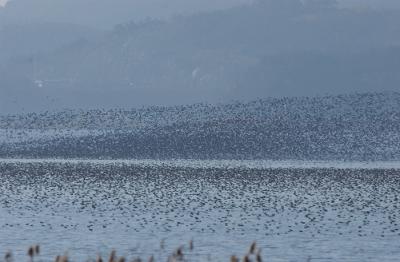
(294,212)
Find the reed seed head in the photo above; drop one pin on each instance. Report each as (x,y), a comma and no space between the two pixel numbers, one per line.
(31,252)
(179,252)
(8,257)
(253,247)
(234,259)
(37,249)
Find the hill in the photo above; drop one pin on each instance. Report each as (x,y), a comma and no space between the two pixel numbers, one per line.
(271,48)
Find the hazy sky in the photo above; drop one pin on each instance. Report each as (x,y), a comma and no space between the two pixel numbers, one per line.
(167,2)
(373,3)
(3,2)
(119,11)
(107,12)
(112,12)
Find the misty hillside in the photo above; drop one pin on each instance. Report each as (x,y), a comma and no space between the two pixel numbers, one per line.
(346,127)
(290,75)
(44,38)
(270,48)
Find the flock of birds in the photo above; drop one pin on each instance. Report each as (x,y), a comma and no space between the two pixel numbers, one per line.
(351,127)
(89,207)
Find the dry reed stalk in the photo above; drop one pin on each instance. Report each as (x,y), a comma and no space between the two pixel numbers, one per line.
(258,256)
(191,245)
(112,256)
(178,255)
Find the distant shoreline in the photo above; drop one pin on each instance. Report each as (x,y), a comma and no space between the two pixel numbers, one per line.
(229,164)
